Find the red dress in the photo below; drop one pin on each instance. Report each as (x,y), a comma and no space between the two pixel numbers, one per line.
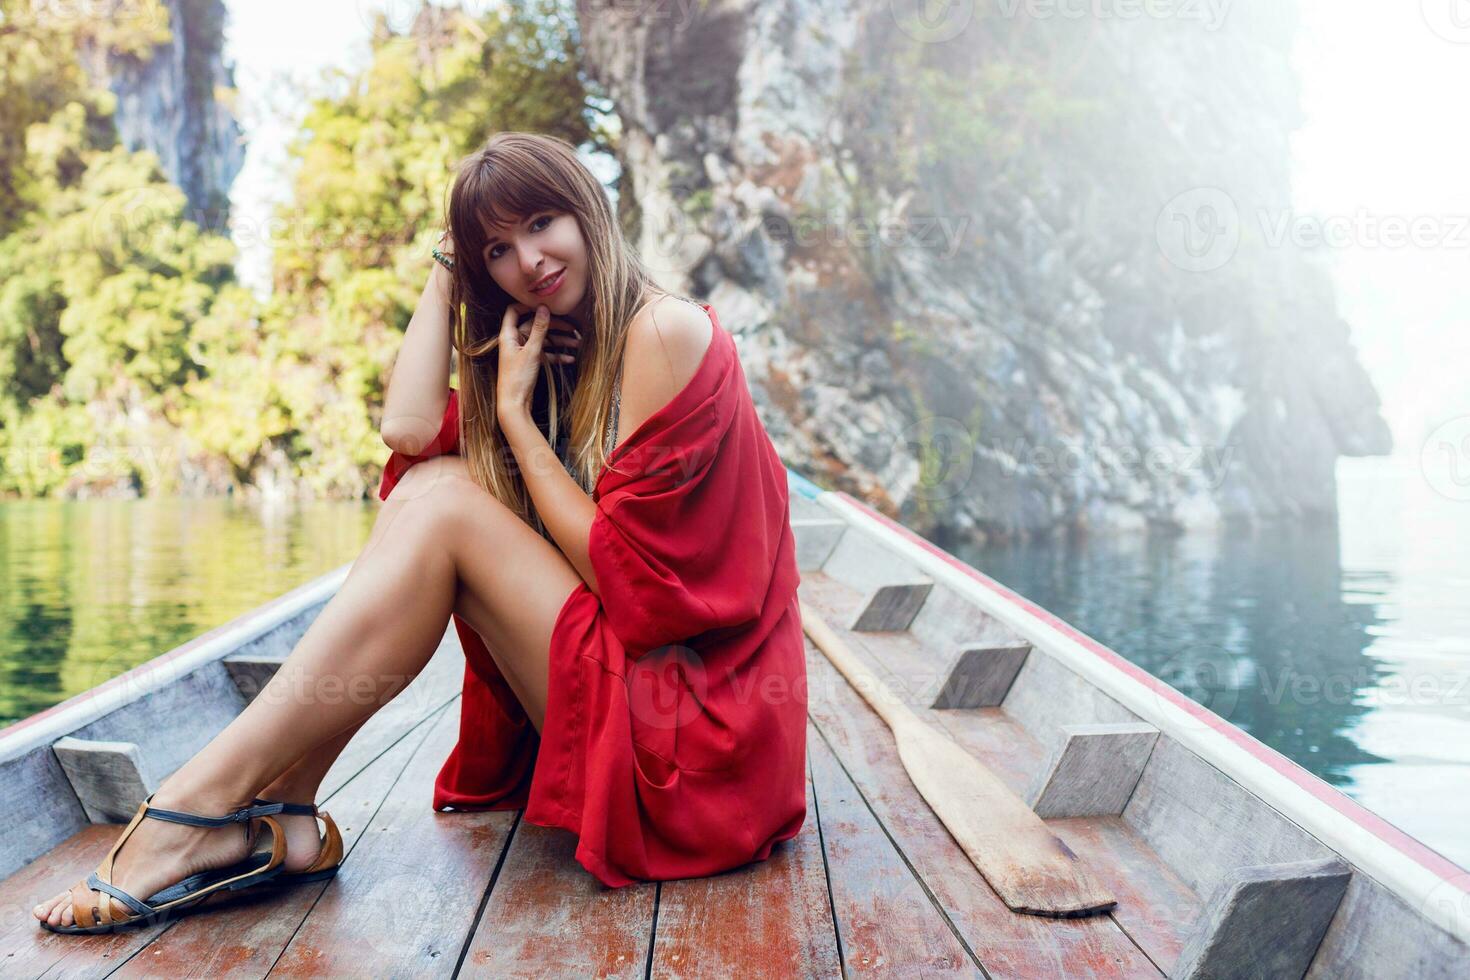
(674,743)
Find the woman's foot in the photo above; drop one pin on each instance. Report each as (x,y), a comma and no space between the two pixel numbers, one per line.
(303,836)
(159,854)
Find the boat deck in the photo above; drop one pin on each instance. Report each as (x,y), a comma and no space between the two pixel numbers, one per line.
(873,883)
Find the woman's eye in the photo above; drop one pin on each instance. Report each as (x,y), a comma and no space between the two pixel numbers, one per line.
(495,252)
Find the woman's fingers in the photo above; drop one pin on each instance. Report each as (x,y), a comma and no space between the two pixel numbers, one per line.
(564,337)
(559,337)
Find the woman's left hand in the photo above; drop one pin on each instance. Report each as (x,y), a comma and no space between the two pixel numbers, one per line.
(521,351)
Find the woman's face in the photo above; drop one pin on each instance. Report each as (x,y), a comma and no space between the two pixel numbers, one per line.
(541,248)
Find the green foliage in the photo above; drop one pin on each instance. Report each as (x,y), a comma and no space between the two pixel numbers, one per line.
(125,341)
(101,280)
(374,167)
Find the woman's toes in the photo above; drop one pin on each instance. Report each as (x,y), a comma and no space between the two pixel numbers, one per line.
(44,910)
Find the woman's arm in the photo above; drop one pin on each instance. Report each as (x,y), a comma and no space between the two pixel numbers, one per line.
(418,385)
(660,358)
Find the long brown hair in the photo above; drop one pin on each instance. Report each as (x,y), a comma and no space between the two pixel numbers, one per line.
(511,177)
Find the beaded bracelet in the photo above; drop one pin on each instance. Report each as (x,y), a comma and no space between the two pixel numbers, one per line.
(443,259)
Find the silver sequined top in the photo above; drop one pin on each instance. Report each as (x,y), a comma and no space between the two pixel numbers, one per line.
(609,439)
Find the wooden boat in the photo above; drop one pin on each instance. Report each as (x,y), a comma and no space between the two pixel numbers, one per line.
(1226,859)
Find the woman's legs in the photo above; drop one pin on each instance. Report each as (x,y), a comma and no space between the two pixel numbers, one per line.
(440,544)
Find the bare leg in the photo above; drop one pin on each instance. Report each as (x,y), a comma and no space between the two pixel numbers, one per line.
(369,642)
(365,634)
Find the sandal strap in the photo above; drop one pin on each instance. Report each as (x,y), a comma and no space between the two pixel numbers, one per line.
(292,809)
(97,884)
(198,820)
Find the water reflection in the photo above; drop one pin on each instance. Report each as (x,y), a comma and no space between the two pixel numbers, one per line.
(89,589)
(1342,645)
(1252,625)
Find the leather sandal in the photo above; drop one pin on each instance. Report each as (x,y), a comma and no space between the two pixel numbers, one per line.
(328,860)
(97,915)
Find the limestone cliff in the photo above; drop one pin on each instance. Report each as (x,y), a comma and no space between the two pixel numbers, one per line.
(172,99)
(998,272)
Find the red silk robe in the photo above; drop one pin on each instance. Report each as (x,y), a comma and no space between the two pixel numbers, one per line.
(674,743)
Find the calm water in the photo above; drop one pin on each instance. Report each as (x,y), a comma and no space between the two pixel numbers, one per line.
(1346,648)
(90,588)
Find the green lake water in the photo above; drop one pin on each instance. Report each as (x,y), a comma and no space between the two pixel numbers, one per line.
(90,588)
(1346,647)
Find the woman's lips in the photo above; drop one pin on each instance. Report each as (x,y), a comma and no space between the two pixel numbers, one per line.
(552,286)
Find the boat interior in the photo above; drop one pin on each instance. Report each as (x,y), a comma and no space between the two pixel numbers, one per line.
(1225,859)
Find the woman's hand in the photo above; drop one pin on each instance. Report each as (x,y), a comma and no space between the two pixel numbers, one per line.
(438,274)
(522,348)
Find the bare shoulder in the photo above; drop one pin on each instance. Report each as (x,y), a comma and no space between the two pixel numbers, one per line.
(666,343)
(670,336)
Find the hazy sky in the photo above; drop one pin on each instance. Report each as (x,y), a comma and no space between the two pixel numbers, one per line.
(280,50)
(1384,84)
(1384,139)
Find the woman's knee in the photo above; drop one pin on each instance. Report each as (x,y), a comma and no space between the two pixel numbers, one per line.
(445,499)
(433,477)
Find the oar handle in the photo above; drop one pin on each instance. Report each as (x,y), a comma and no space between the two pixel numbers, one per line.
(878,694)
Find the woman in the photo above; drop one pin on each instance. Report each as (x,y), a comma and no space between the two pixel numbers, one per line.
(648,632)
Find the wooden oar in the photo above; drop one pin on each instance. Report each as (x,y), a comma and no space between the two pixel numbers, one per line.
(1029,867)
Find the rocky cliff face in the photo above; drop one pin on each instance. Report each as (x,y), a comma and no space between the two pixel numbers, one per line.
(1000,272)
(169,101)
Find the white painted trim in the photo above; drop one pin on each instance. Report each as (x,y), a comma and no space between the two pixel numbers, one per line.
(153,675)
(1421,888)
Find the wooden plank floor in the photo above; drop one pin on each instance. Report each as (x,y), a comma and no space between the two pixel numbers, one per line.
(873,884)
